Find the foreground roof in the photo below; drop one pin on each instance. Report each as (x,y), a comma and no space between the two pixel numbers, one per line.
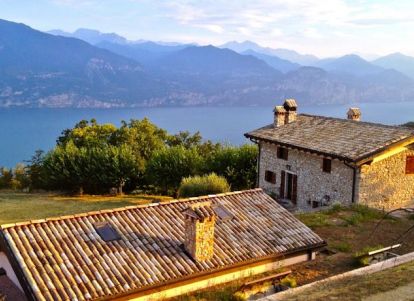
(64,258)
(340,138)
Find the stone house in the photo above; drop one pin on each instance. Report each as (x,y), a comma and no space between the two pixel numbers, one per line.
(154,251)
(312,161)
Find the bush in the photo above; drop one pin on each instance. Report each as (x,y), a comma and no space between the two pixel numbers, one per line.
(289,281)
(203,185)
(361,259)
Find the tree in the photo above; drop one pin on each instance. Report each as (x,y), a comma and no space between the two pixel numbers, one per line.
(88,133)
(35,171)
(237,164)
(143,136)
(6,177)
(168,166)
(203,185)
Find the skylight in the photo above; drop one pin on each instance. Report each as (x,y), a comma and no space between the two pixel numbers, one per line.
(222,213)
(106,231)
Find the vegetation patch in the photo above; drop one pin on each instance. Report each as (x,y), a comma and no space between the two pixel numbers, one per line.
(203,185)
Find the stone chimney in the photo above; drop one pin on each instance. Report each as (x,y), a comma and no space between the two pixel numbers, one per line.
(354,114)
(291,108)
(200,220)
(279,116)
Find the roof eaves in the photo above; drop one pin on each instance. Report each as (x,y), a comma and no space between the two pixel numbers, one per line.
(305,149)
(368,157)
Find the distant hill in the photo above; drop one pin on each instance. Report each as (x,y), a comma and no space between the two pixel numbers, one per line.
(43,70)
(91,36)
(286,54)
(39,69)
(397,61)
(349,64)
(145,53)
(273,61)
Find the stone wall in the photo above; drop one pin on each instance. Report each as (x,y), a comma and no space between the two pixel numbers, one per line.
(312,183)
(385,185)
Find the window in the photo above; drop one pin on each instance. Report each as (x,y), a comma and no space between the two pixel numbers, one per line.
(270,177)
(409,165)
(222,213)
(327,165)
(282,153)
(106,231)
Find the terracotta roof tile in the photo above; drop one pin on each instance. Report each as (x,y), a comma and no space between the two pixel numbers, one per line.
(346,139)
(65,259)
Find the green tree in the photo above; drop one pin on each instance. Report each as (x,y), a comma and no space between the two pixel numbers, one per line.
(6,178)
(142,135)
(237,164)
(36,172)
(168,166)
(203,185)
(88,133)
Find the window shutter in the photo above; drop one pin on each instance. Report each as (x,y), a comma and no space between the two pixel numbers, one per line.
(409,165)
(294,189)
(282,184)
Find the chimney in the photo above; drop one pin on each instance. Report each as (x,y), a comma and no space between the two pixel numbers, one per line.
(291,108)
(279,116)
(200,220)
(354,114)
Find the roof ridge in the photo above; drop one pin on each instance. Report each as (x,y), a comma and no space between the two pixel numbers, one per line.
(125,208)
(359,122)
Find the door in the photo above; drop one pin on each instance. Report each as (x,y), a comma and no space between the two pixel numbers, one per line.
(289,186)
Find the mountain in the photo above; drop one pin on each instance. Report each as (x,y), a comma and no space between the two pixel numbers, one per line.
(91,36)
(286,54)
(39,69)
(397,61)
(274,61)
(349,64)
(145,53)
(43,70)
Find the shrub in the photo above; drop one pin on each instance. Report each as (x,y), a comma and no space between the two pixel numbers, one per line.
(361,258)
(289,281)
(203,185)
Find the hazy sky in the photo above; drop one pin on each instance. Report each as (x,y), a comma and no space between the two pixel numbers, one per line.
(321,27)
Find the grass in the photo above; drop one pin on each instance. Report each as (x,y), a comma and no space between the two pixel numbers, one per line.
(341,246)
(15,206)
(360,287)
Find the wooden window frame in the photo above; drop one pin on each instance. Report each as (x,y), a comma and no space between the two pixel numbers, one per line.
(327,165)
(270,176)
(282,153)
(409,164)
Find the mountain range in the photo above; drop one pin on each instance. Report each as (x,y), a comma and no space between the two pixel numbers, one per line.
(88,68)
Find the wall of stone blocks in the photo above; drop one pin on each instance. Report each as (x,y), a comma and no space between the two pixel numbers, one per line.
(385,185)
(313,183)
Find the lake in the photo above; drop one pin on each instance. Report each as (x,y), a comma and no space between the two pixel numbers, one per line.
(25,130)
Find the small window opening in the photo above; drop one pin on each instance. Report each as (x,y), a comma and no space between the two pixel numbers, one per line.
(270,177)
(222,213)
(327,165)
(106,231)
(282,153)
(409,165)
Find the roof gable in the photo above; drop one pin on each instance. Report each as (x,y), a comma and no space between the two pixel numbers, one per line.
(65,258)
(344,139)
